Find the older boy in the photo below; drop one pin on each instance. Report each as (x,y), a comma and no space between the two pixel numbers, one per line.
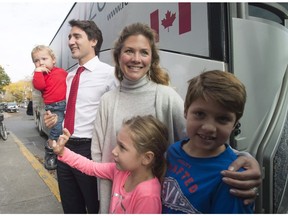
(214,104)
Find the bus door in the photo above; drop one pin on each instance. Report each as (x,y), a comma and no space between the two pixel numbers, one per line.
(260,57)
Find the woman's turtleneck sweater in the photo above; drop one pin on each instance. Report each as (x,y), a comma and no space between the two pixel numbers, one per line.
(135,98)
(142,97)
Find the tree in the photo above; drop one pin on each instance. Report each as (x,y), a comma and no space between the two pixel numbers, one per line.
(4,79)
(19,91)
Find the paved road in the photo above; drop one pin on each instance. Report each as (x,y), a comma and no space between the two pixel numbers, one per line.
(23,126)
(25,185)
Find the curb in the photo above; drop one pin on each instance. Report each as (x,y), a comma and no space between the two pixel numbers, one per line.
(49,180)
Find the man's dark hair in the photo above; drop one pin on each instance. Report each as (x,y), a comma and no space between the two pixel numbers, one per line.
(92,31)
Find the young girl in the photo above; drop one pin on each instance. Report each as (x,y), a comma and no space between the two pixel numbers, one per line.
(138,167)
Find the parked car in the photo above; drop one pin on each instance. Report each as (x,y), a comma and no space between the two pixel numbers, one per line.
(12,107)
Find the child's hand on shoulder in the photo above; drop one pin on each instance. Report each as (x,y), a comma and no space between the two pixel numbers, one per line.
(58,147)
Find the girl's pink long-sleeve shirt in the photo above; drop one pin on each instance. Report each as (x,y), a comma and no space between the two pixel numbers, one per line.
(144,199)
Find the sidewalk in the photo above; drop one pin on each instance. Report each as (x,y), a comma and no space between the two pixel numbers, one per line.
(26,187)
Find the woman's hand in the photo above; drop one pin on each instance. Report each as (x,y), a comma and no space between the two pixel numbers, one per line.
(58,147)
(50,119)
(244,184)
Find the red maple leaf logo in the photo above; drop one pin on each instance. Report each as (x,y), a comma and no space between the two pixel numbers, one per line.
(168,20)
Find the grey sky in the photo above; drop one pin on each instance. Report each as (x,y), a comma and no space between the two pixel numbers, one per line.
(24,25)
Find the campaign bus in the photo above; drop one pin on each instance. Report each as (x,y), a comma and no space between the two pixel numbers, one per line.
(247,39)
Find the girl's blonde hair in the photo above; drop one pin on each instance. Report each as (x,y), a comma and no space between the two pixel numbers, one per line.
(150,134)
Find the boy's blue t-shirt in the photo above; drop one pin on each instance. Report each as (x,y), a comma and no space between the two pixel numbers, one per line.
(194,185)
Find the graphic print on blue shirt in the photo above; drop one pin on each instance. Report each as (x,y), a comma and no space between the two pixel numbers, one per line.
(194,185)
(174,198)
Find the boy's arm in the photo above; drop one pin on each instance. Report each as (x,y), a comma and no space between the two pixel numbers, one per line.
(225,203)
